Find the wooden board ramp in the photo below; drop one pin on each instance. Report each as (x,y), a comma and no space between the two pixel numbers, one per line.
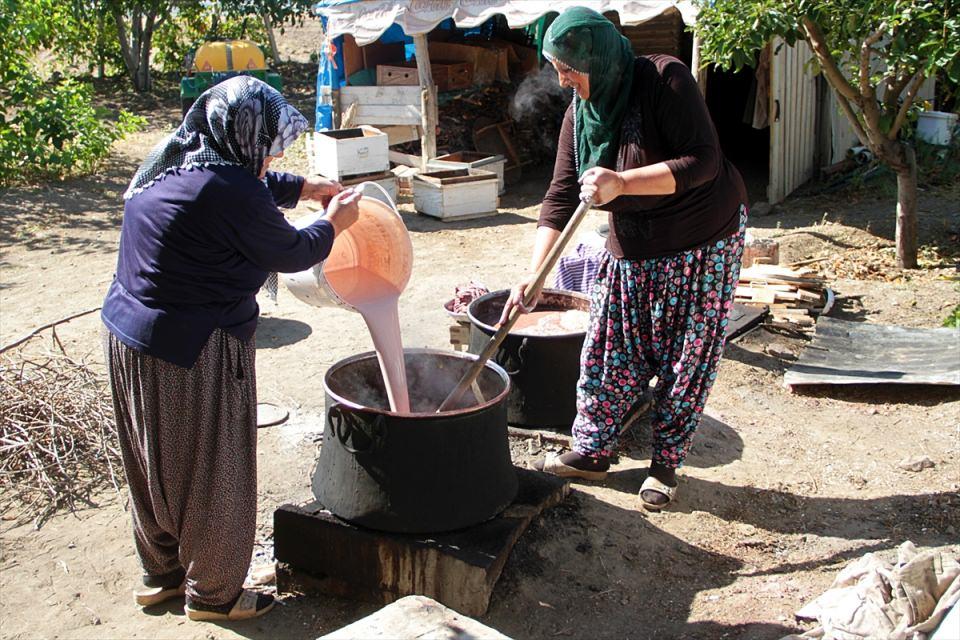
(416,618)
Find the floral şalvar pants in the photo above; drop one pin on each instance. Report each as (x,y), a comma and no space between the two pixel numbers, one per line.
(663,317)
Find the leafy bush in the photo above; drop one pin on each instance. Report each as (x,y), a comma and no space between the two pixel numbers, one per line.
(54,131)
(953,320)
(194,24)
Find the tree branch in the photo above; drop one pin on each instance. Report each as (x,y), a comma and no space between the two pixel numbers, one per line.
(29,335)
(818,43)
(866,52)
(905,107)
(894,87)
(854,121)
(868,94)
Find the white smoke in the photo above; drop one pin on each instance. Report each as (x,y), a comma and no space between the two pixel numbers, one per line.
(537,94)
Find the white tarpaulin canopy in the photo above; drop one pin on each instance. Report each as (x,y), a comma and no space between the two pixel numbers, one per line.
(366,20)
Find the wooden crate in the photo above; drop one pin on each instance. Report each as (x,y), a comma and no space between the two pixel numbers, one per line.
(347,152)
(472,160)
(447,76)
(456,194)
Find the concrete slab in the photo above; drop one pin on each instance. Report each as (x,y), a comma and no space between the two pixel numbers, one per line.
(416,618)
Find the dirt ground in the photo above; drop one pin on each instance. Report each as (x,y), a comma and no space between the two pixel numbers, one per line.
(781,490)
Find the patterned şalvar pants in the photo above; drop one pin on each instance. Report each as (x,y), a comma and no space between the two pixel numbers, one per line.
(188,438)
(663,317)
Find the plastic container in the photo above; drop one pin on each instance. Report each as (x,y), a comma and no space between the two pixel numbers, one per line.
(377,244)
(936,127)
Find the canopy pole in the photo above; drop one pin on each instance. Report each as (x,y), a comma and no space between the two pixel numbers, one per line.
(698,73)
(428,102)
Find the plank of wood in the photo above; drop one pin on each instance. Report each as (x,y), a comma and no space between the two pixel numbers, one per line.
(409,96)
(376,114)
(405,159)
(398,134)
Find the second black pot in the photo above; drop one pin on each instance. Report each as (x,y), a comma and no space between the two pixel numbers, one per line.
(543,369)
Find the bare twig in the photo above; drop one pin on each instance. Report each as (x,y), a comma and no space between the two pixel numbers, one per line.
(23,339)
(57,436)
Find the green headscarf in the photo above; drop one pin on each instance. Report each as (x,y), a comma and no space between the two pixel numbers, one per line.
(585,41)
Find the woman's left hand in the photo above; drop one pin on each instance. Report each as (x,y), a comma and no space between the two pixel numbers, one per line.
(319,188)
(603,185)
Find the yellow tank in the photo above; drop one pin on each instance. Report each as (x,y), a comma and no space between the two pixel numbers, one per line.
(229,55)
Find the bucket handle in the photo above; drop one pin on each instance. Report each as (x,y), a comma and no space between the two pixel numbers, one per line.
(346,424)
(386,194)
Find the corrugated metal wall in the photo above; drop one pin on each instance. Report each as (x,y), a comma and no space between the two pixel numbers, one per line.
(793,130)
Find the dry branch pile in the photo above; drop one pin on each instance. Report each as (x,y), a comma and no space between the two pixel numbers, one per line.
(57,436)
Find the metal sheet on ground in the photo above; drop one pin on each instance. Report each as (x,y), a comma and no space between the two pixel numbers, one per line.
(743,318)
(844,352)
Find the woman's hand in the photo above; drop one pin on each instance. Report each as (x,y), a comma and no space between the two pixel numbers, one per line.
(343,210)
(318,188)
(603,185)
(517,294)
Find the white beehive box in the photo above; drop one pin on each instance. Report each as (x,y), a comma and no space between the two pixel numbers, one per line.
(386,179)
(347,152)
(472,160)
(456,194)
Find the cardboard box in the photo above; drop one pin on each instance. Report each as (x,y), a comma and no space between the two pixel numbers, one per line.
(483,61)
(347,152)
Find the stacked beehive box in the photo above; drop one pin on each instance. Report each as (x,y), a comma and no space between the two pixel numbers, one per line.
(352,156)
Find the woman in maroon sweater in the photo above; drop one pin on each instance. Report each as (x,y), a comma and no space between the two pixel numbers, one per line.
(639,141)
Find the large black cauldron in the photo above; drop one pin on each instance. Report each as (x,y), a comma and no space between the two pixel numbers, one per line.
(420,472)
(543,369)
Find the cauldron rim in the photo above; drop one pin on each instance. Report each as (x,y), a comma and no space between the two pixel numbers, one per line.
(500,371)
(506,292)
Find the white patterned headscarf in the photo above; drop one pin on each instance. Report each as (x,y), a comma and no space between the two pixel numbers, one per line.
(239,121)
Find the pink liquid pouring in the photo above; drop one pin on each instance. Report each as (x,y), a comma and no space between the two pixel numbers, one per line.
(376,300)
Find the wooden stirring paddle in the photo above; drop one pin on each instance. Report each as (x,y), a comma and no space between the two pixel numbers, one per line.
(532,292)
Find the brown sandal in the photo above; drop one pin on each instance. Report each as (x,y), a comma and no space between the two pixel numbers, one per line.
(149,596)
(249,604)
(554,466)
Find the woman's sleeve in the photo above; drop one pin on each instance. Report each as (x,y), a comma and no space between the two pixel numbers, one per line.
(285,187)
(687,131)
(257,229)
(564,192)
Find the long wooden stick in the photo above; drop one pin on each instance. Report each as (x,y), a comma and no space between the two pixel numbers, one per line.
(532,292)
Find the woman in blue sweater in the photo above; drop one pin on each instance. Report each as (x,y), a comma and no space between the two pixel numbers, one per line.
(201,231)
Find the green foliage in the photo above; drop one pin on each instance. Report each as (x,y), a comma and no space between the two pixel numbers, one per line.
(49,127)
(918,35)
(953,318)
(196,23)
(57,131)
(280,12)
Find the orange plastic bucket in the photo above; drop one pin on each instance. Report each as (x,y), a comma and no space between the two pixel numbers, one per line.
(377,244)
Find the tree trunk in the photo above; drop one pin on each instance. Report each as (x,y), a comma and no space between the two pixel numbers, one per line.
(907,210)
(135,48)
(274,51)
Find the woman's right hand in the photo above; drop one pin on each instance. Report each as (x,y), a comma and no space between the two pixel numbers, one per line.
(517,294)
(343,210)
